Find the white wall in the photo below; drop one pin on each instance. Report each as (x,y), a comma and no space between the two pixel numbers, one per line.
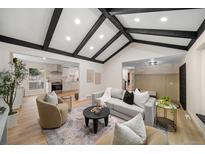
(135,51)
(195,66)
(85,88)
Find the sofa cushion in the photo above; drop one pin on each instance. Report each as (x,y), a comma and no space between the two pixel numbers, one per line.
(130,110)
(112,102)
(117,93)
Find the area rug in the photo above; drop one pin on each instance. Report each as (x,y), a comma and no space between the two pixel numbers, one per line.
(74,130)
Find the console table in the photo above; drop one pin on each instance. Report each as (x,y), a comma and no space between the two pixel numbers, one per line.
(3,124)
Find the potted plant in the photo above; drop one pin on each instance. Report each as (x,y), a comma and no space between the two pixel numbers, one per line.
(9,82)
(165,100)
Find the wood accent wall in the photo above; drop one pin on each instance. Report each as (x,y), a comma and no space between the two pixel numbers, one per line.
(163,84)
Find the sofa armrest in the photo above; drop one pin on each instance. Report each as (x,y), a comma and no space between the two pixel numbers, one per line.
(96,95)
(149,111)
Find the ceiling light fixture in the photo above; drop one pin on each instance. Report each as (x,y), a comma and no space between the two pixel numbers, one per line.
(137,19)
(68,38)
(77,21)
(91,47)
(152,63)
(44,58)
(101,36)
(130,67)
(163,19)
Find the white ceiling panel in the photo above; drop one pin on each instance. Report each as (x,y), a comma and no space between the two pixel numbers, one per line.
(107,30)
(189,20)
(29,25)
(67,27)
(122,40)
(162,39)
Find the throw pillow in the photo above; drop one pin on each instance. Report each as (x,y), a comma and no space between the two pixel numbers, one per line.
(137,125)
(137,91)
(52,98)
(130,132)
(128,98)
(116,93)
(53,93)
(123,135)
(141,98)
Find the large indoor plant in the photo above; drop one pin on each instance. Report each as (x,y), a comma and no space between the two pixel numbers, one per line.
(9,83)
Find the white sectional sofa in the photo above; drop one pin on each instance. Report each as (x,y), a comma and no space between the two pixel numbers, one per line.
(126,111)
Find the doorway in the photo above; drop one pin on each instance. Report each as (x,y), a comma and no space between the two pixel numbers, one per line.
(182,85)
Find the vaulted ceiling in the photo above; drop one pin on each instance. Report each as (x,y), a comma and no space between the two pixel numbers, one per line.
(99,34)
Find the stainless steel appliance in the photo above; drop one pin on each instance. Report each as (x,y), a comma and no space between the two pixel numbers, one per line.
(56,86)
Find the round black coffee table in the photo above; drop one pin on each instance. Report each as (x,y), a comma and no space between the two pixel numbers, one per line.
(105,112)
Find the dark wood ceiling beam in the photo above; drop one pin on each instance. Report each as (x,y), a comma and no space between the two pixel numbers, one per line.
(54,21)
(71,55)
(160,32)
(14,41)
(117,11)
(107,44)
(124,46)
(162,44)
(116,22)
(89,34)
(200,30)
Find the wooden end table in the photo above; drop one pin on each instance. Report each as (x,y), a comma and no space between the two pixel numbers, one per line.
(68,100)
(165,122)
(104,114)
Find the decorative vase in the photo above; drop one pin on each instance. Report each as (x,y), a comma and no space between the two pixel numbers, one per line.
(12,120)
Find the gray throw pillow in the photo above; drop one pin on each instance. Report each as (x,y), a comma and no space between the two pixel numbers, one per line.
(130,132)
(137,125)
(123,135)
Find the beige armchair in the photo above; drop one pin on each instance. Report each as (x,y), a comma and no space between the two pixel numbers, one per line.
(154,137)
(51,116)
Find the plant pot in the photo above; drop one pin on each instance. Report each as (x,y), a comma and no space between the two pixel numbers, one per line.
(12,120)
(76,96)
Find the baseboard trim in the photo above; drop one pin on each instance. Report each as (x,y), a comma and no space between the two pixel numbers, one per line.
(196,121)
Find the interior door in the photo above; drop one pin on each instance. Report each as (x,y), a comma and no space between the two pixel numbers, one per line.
(182,86)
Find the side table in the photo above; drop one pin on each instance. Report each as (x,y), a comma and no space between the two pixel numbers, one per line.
(164,121)
(68,100)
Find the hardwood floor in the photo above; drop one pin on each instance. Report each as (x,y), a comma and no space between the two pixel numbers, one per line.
(187,132)
(28,130)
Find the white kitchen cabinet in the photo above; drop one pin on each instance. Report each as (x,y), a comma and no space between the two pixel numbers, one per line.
(48,87)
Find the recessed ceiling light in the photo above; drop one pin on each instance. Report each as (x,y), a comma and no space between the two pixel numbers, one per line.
(77,21)
(137,19)
(91,47)
(68,38)
(153,62)
(130,67)
(101,36)
(44,58)
(163,19)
